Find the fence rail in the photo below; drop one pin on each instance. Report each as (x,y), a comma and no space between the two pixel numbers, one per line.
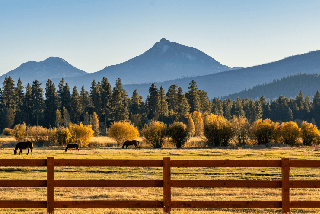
(166,183)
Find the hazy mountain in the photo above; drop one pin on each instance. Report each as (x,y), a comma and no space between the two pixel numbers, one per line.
(289,87)
(164,61)
(53,67)
(233,81)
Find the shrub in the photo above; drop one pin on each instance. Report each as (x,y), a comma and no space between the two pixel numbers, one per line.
(154,133)
(63,136)
(309,133)
(263,131)
(178,133)
(7,132)
(20,132)
(290,132)
(122,131)
(80,134)
(37,134)
(217,130)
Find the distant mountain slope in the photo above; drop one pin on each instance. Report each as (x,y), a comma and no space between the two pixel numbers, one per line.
(289,87)
(53,67)
(164,61)
(233,81)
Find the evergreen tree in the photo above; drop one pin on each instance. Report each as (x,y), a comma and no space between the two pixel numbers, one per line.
(205,104)
(135,108)
(183,106)
(64,95)
(95,99)
(51,104)
(28,106)
(75,106)
(38,103)
(2,112)
(171,98)
(237,109)
(163,105)
(84,101)
(227,108)
(217,106)
(8,93)
(119,102)
(153,103)
(19,102)
(106,97)
(193,97)
(316,108)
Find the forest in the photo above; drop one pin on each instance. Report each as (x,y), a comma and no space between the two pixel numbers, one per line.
(51,107)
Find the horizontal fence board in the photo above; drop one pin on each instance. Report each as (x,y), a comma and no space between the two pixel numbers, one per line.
(108,204)
(226,204)
(23,183)
(120,163)
(226,183)
(108,183)
(23,162)
(304,163)
(305,184)
(23,204)
(305,204)
(225,163)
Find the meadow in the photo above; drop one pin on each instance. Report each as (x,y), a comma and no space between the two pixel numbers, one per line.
(106,148)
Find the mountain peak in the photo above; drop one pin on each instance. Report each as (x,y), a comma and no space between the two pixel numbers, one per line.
(163,40)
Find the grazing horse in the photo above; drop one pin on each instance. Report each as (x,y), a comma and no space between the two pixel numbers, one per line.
(23,145)
(71,146)
(130,142)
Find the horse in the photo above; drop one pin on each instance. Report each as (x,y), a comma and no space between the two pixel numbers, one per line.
(130,142)
(23,145)
(71,146)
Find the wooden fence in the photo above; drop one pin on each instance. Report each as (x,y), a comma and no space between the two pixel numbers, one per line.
(167,204)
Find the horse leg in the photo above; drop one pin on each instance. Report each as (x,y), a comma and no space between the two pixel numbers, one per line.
(20,151)
(28,151)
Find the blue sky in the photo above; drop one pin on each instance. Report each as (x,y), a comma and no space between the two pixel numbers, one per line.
(93,34)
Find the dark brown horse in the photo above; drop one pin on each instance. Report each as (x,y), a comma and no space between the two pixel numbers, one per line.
(23,145)
(130,142)
(72,146)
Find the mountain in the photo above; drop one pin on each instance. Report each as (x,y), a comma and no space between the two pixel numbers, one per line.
(288,87)
(164,61)
(229,82)
(52,67)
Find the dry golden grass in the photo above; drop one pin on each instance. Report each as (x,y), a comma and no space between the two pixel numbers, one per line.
(192,150)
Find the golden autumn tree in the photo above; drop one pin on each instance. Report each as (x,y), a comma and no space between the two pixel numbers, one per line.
(240,126)
(190,126)
(80,134)
(290,132)
(262,131)
(309,133)
(95,123)
(198,123)
(122,131)
(154,133)
(217,130)
(20,132)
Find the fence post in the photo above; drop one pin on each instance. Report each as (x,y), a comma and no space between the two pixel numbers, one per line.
(50,184)
(166,185)
(285,171)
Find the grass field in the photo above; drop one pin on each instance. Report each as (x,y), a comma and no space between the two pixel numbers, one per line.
(104,148)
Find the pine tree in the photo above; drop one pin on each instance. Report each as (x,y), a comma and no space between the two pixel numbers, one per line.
(135,108)
(51,104)
(183,107)
(217,106)
(120,102)
(28,105)
(171,98)
(237,109)
(75,106)
(227,107)
(8,93)
(95,124)
(19,102)
(66,117)
(58,119)
(106,97)
(204,102)
(163,105)
(153,103)
(193,97)
(64,95)
(316,108)
(95,99)
(84,101)
(38,103)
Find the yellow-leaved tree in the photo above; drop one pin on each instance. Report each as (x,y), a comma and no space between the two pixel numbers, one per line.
(309,133)
(122,131)
(155,133)
(20,132)
(198,122)
(240,126)
(190,126)
(80,134)
(217,130)
(290,132)
(262,131)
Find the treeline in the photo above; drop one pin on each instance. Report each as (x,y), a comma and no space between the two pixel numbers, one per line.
(53,107)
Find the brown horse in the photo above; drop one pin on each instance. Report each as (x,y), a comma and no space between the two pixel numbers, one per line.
(130,142)
(23,145)
(71,146)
